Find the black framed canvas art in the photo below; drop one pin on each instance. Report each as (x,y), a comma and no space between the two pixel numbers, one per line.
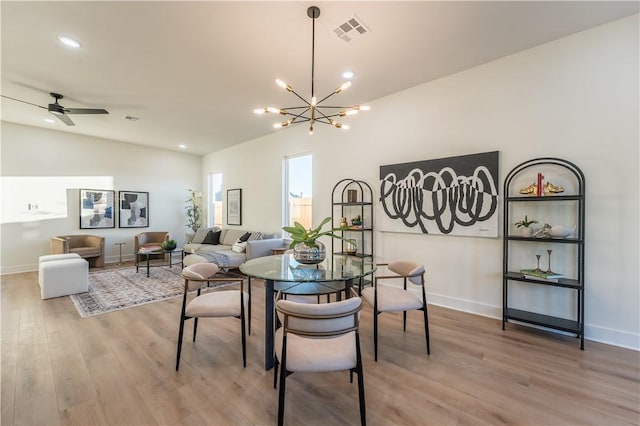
(96,209)
(134,209)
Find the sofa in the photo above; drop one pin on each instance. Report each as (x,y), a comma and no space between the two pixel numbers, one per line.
(89,247)
(228,248)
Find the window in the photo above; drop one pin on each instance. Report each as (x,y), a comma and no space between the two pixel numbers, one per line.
(297,190)
(214,217)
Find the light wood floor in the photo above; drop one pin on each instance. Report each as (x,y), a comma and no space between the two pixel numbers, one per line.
(118,369)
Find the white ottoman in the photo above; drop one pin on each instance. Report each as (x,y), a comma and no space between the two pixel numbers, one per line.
(62,277)
(50,257)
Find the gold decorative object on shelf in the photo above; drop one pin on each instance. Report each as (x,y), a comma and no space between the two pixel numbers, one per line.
(538,270)
(529,190)
(549,271)
(343,222)
(550,188)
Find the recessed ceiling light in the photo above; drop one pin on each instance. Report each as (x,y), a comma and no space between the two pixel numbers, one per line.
(348,74)
(68,42)
(50,120)
(183,146)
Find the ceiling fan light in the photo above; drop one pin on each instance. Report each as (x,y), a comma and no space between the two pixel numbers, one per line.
(67,41)
(362,107)
(273,110)
(259,111)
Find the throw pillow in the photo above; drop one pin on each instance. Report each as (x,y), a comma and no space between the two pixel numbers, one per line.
(244,237)
(239,247)
(200,235)
(255,236)
(212,238)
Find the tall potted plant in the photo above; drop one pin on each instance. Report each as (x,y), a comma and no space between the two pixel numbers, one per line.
(194,210)
(305,244)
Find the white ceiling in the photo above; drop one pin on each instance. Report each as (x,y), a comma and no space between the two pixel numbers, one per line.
(194,71)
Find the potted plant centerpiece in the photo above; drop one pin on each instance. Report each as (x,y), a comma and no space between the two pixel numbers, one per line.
(524,226)
(306,247)
(169,245)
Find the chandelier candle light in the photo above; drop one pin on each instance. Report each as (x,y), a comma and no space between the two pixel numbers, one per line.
(312,111)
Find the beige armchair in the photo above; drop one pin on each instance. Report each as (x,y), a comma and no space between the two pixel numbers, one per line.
(149,240)
(89,247)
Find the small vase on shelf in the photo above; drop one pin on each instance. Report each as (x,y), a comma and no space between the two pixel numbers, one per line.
(351,247)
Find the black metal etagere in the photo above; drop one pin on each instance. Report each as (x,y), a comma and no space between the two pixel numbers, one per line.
(350,198)
(511,243)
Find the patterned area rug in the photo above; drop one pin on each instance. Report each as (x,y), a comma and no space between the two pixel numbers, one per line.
(116,289)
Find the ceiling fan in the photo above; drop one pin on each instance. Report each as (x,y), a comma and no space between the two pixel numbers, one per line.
(60,111)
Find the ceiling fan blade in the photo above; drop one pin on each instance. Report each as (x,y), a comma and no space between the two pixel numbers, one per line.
(24,102)
(85,111)
(66,120)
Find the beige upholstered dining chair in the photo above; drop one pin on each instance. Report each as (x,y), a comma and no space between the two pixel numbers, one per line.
(212,303)
(394,299)
(318,338)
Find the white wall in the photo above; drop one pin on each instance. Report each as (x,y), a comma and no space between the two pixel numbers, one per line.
(575,98)
(31,151)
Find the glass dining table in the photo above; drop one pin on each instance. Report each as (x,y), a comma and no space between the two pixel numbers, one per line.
(282,273)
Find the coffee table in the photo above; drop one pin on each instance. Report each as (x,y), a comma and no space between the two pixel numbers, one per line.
(283,273)
(147,257)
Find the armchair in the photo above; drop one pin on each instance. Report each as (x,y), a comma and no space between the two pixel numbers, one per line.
(149,240)
(89,247)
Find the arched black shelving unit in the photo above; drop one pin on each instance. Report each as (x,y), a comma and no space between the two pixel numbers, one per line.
(351,198)
(572,203)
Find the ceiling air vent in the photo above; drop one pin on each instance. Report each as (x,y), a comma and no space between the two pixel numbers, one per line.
(353,27)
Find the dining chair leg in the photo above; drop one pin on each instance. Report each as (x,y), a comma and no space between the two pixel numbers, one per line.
(363,411)
(283,377)
(249,313)
(195,328)
(276,366)
(375,335)
(181,332)
(244,341)
(426,328)
(404,320)
(180,335)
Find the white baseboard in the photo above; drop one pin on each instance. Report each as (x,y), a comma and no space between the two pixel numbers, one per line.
(592,332)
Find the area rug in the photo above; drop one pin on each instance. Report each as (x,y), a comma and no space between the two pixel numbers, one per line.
(116,289)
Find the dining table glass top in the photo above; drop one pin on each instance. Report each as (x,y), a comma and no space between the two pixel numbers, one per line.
(336,267)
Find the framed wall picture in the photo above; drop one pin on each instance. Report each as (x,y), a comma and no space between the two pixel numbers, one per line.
(96,209)
(234,207)
(134,209)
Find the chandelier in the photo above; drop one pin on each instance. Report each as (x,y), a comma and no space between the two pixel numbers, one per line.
(313,111)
